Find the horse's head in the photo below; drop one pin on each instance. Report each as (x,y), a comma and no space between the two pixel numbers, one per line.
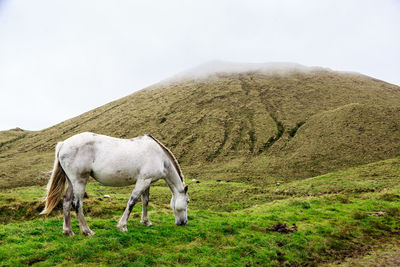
(179,204)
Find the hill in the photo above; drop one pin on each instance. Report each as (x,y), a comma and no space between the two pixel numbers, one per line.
(256,123)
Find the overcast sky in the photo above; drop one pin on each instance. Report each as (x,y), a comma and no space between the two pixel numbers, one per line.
(59,59)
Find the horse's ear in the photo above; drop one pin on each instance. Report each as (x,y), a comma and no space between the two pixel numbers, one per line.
(186,189)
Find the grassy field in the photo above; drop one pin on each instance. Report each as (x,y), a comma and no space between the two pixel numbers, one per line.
(267,148)
(338,215)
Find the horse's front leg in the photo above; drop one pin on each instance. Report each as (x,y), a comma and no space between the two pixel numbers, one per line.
(140,187)
(145,203)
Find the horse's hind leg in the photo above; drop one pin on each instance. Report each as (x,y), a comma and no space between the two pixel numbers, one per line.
(67,201)
(79,186)
(145,203)
(140,187)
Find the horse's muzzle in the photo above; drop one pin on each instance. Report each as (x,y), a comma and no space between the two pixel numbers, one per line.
(181,223)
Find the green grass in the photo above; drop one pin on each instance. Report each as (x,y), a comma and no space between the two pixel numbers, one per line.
(387,254)
(227,226)
(327,230)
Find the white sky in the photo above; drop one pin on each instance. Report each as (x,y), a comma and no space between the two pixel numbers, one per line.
(59,59)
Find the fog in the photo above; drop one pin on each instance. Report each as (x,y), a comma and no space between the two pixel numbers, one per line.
(208,69)
(59,59)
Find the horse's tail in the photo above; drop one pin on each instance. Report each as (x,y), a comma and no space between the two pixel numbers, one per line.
(56,185)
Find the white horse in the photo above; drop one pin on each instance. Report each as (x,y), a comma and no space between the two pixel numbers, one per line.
(113,162)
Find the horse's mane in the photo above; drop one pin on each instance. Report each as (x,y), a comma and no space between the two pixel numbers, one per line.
(170,155)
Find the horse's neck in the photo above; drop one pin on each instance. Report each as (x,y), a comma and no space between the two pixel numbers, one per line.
(175,183)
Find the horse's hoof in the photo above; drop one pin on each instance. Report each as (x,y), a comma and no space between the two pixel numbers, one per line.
(88,233)
(147,223)
(68,233)
(123,228)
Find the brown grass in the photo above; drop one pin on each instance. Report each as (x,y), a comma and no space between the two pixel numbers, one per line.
(238,126)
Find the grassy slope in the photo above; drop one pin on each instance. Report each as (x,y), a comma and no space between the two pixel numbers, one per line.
(11,136)
(243,126)
(228,223)
(387,254)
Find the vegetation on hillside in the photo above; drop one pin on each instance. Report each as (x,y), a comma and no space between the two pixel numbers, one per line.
(11,136)
(250,126)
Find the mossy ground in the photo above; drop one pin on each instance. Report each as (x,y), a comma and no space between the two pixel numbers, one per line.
(338,215)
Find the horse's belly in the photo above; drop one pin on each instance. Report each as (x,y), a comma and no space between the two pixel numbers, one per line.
(118,178)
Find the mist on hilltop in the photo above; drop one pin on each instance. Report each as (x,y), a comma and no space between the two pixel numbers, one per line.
(215,67)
